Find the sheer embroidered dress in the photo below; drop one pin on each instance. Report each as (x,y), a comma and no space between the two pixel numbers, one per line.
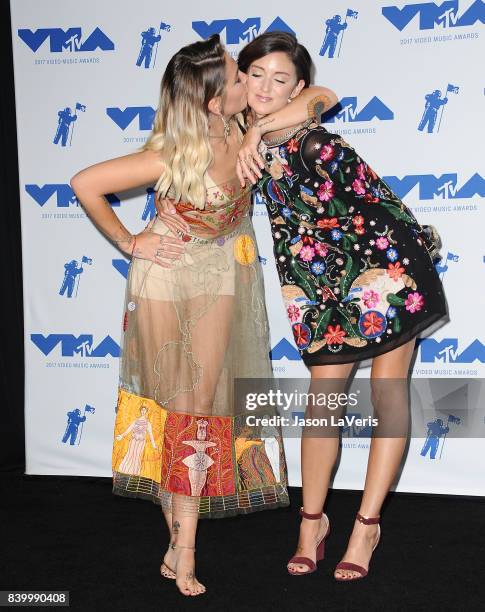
(189,332)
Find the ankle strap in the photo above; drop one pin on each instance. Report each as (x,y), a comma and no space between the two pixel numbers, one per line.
(367,521)
(311,517)
(173,546)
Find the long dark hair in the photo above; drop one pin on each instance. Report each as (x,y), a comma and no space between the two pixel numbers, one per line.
(271,42)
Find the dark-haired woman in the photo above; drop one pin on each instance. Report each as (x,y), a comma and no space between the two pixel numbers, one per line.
(357,278)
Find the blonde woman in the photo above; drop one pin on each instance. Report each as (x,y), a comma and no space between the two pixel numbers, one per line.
(195,318)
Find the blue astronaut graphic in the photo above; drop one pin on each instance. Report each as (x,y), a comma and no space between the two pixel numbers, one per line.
(437,431)
(72,273)
(73,433)
(442,269)
(334,28)
(434,102)
(149,41)
(65,120)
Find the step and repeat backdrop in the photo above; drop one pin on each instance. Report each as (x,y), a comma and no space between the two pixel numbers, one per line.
(412,103)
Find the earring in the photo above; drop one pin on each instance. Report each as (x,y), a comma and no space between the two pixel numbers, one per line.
(227,127)
(289,100)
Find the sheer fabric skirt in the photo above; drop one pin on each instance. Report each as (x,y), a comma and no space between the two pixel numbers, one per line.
(181,437)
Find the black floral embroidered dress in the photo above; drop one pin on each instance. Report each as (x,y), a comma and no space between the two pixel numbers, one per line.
(353,262)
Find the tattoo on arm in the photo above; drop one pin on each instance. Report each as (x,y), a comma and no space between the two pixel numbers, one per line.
(263,122)
(176,527)
(317,106)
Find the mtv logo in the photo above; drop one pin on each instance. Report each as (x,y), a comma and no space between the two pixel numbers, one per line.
(76,345)
(123,118)
(348,113)
(238,31)
(65,196)
(122,266)
(432,187)
(284,349)
(446,350)
(66,40)
(431,14)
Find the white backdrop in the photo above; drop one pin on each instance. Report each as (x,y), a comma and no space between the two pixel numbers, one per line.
(83,56)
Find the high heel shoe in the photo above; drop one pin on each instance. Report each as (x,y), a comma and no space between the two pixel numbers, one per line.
(353,567)
(320,550)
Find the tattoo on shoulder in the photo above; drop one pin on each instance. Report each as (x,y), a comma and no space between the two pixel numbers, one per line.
(317,106)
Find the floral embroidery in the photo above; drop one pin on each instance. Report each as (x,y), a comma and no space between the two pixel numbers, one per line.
(395,271)
(414,302)
(326,191)
(346,249)
(335,335)
(301,332)
(293,146)
(293,313)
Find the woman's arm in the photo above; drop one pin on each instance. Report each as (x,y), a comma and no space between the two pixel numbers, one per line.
(90,186)
(312,102)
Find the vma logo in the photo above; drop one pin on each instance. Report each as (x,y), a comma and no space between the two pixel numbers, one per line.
(76,345)
(284,349)
(70,40)
(64,195)
(432,187)
(122,265)
(123,118)
(432,14)
(446,350)
(238,31)
(347,111)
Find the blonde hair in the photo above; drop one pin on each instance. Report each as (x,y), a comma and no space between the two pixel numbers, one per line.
(180,134)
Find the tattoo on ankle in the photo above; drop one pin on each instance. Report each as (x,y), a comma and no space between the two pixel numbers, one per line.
(176,527)
(189,575)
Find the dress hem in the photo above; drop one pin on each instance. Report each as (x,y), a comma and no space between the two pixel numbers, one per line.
(318,358)
(283,501)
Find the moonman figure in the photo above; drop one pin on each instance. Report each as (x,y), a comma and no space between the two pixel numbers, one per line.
(434,102)
(435,431)
(71,272)
(334,27)
(74,418)
(65,120)
(148,40)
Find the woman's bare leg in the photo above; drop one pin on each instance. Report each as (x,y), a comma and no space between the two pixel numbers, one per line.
(318,456)
(209,349)
(385,454)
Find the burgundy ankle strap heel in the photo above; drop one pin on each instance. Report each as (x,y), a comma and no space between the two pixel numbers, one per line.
(320,547)
(345,565)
